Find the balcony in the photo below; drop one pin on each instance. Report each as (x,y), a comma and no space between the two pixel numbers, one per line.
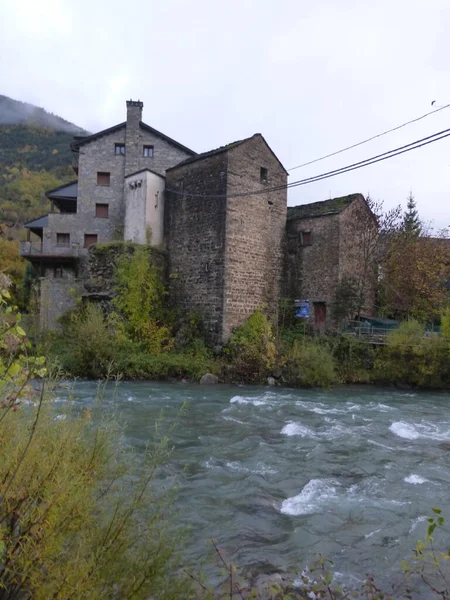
(36,251)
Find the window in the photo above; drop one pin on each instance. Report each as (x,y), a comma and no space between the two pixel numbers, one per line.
(103,178)
(148,151)
(306,238)
(263,174)
(101,211)
(58,272)
(90,239)
(119,149)
(63,239)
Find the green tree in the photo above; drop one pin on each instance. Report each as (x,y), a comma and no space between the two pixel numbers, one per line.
(411,220)
(140,299)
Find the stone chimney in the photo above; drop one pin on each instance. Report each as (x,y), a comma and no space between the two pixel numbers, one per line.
(132,138)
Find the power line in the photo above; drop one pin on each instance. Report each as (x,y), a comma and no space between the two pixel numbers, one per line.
(366,164)
(435,137)
(377,158)
(374,137)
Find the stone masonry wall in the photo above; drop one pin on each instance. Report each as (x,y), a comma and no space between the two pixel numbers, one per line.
(312,272)
(195,239)
(103,261)
(358,234)
(255,227)
(57,295)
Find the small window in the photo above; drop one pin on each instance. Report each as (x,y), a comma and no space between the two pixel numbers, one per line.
(90,239)
(306,238)
(119,149)
(102,211)
(63,239)
(103,178)
(148,151)
(58,272)
(263,174)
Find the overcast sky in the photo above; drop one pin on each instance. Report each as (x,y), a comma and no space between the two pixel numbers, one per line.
(311,76)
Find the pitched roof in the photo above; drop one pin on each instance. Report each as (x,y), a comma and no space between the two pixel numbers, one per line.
(333,206)
(80,141)
(142,171)
(39,223)
(67,190)
(225,148)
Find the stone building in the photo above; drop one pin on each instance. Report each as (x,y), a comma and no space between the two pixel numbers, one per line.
(325,243)
(219,219)
(225,248)
(119,194)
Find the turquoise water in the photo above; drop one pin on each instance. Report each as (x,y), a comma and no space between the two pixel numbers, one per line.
(276,475)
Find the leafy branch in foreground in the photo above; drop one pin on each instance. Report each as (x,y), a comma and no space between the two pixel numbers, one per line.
(80,516)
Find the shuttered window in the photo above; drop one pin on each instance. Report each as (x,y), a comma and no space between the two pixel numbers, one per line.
(306,238)
(63,239)
(102,211)
(103,178)
(90,239)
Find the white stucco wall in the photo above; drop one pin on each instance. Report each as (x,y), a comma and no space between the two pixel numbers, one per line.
(144,208)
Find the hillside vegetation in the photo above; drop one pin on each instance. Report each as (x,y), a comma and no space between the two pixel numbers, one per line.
(34,156)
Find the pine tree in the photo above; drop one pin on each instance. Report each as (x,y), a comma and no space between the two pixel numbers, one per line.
(411,221)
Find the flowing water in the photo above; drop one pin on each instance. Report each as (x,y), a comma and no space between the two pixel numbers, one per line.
(276,475)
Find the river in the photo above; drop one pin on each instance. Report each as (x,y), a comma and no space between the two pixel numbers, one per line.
(276,474)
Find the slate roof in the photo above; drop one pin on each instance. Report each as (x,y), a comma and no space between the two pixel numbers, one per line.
(80,141)
(68,190)
(323,208)
(222,149)
(39,223)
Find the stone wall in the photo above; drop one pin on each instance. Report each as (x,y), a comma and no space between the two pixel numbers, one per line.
(195,238)
(358,235)
(255,227)
(312,271)
(103,261)
(57,295)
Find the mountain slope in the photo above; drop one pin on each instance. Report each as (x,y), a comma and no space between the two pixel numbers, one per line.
(34,156)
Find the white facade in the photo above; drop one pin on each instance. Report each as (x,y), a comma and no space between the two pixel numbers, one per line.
(144,208)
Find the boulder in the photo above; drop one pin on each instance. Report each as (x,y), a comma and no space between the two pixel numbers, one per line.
(271,381)
(209,379)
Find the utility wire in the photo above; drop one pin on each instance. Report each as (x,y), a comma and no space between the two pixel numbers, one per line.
(435,137)
(377,158)
(374,137)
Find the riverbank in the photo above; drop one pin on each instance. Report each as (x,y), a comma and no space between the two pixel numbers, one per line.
(91,348)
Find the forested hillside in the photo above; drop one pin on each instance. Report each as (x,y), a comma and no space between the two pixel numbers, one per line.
(34,156)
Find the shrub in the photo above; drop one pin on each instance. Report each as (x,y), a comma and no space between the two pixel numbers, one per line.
(89,342)
(252,349)
(354,358)
(138,364)
(307,363)
(413,357)
(77,519)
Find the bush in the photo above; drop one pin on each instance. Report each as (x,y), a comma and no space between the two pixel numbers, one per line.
(354,358)
(252,349)
(307,363)
(414,358)
(77,519)
(138,364)
(89,343)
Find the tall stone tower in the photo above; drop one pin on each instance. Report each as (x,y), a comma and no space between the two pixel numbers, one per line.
(224,228)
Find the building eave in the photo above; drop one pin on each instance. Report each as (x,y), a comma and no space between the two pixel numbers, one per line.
(143,171)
